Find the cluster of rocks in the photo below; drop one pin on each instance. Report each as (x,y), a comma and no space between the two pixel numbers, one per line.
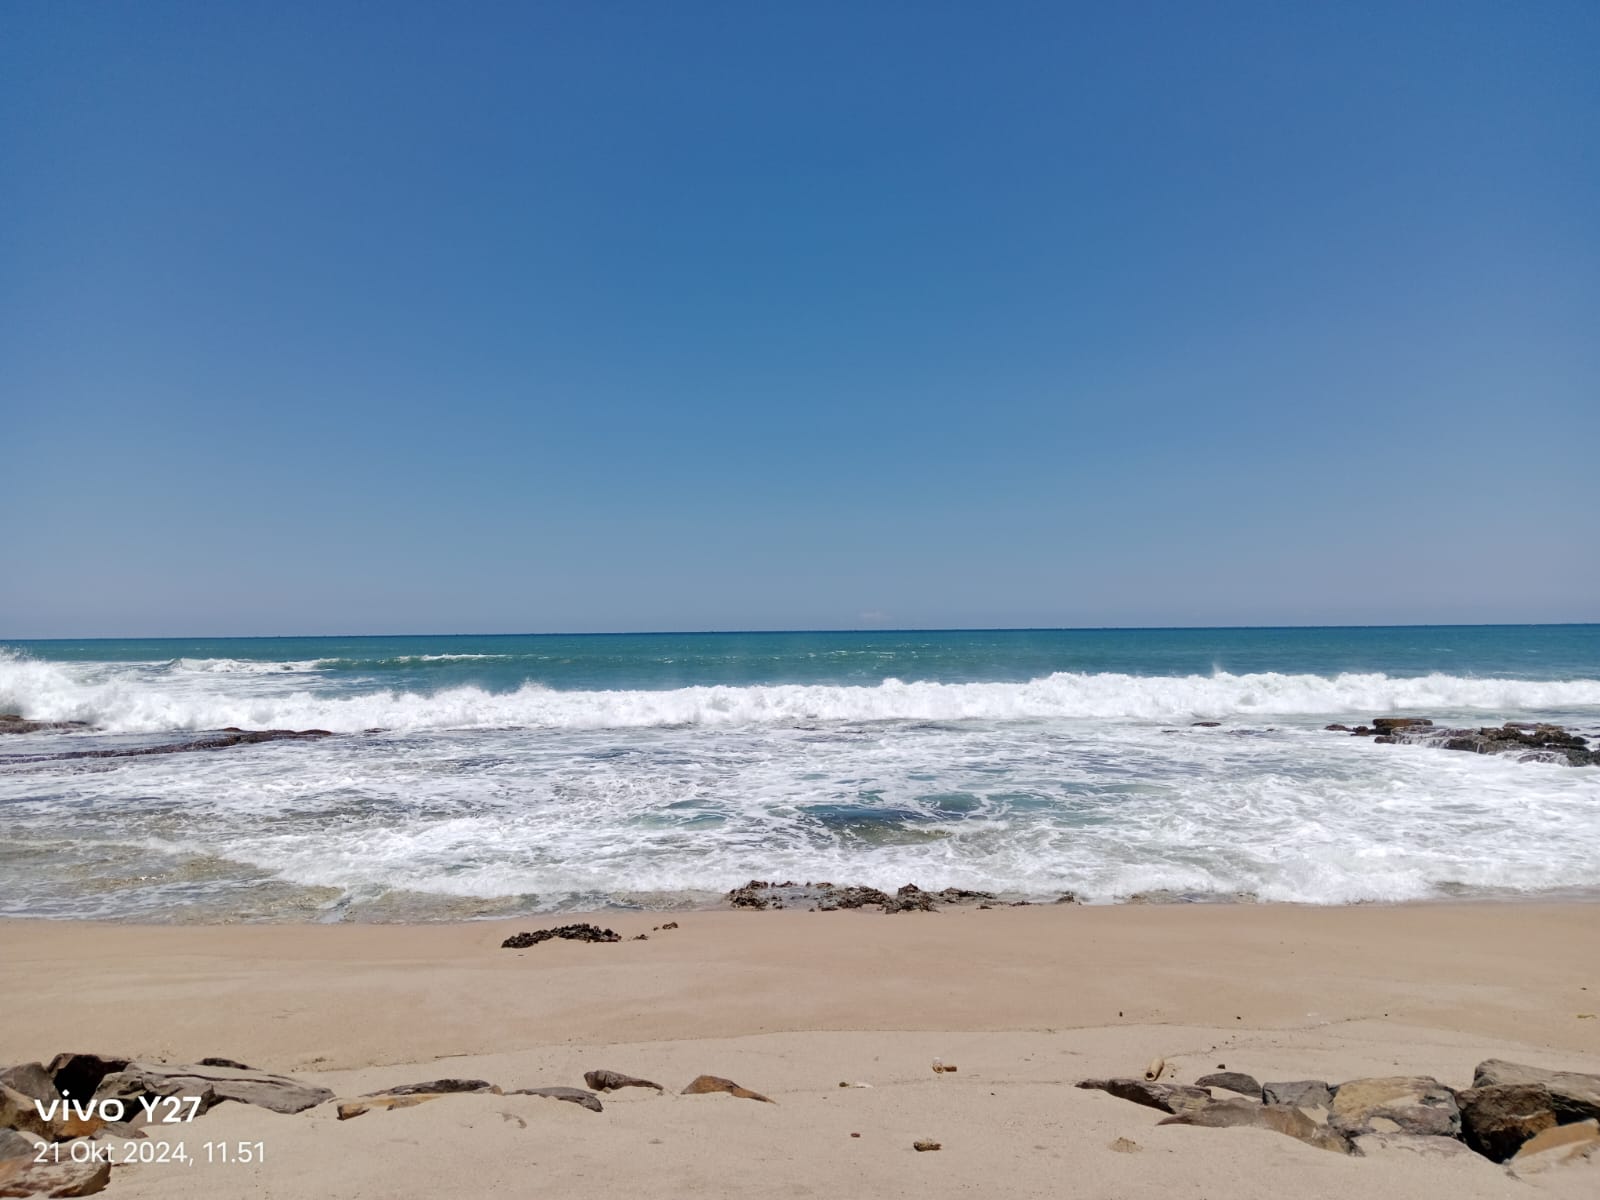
(1526,1116)
(64,1104)
(828,897)
(220,739)
(831,897)
(17,723)
(1529,741)
(572,933)
(598,1081)
(58,1106)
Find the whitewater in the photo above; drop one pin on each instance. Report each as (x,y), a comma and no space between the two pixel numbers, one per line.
(489,776)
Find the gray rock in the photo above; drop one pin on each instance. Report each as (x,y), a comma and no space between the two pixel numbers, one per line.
(16,1144)
(1417,1104)
(1237,1113)
(1298,1093)
(1231,1081)
(575,1095)
(31,1079)
(438,1087)
(1375,1144)
(278,1093)
(1168,1097)
(609,1081)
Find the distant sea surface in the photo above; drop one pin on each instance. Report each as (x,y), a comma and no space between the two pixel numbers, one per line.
(495,775)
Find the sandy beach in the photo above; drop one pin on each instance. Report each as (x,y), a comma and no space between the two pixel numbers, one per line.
(1024,1001)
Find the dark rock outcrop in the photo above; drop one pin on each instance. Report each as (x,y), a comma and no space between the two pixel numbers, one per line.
(1498,1118)
(910,898)
(81,1074)
(573,933)
(1574,1096)
(761,894)
(439,1087)
(1390,724)
(1529,742)
(16,723)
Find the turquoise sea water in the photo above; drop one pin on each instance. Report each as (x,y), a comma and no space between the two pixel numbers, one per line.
(493,774)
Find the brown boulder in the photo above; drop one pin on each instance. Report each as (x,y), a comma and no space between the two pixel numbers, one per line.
(24,1177)
(354,1108)
(1416,1104)
(20,1112)
(1574,1096)
(1168,1097)
(703,1084)
(1236,1113)
(1558,1146)
(1498,1118)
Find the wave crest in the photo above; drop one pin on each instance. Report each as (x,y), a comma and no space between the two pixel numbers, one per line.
(212,698)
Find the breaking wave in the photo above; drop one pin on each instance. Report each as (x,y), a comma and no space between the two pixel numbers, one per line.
(142,702)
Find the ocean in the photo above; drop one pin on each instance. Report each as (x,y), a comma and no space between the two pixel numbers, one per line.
(487,776)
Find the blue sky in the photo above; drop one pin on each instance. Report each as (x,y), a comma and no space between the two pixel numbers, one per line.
(524,317)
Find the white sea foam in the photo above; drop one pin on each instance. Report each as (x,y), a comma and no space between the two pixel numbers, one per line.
(132,702)
(1093,782)
(411,658)
(246,666)
(1105,808)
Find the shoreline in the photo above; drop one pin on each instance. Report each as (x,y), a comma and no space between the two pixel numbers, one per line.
(721,903)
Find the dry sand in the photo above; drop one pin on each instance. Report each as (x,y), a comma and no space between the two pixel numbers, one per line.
(1024,1001)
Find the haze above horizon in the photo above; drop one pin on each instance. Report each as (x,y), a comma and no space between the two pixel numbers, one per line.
(874,316)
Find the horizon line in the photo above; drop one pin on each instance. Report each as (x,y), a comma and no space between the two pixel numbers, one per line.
(818,631)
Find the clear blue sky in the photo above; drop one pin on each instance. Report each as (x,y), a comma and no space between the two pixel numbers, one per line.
(391,317)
